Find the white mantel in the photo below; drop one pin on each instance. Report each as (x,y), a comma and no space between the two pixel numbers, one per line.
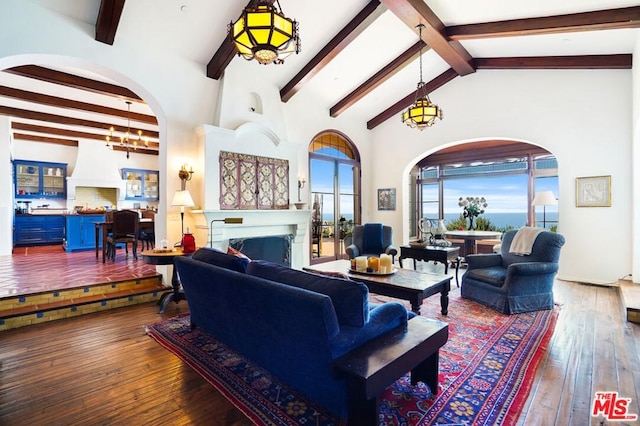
(258,223)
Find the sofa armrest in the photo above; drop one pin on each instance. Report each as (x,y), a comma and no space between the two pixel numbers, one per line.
(352,251)
(479,261)
(382,318)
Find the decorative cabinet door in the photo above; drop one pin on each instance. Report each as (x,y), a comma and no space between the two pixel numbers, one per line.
(249,182)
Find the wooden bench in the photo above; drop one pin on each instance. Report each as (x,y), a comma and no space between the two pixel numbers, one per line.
(374,366)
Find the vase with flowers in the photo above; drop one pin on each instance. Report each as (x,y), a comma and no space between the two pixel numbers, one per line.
(472,207)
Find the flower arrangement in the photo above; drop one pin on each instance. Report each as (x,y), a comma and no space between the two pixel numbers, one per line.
(472,207)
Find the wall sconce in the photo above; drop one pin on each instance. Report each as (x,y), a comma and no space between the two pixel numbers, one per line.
(301,183)
(185,175)
(237,220)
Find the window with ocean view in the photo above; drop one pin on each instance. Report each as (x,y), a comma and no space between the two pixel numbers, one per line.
(500,171)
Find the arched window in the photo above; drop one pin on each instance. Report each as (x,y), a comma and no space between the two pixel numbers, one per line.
(334,176)
(507,173)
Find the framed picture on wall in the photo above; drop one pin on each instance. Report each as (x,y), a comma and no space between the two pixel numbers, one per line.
(387,199)
(593,191)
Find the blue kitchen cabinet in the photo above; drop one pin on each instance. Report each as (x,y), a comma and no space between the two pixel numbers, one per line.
(38,230)
(39,179)
(81,232)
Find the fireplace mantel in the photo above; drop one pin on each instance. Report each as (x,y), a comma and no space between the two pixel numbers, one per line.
(258,223)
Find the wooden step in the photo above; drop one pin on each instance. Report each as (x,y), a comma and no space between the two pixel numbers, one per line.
(630,295)
(19,311)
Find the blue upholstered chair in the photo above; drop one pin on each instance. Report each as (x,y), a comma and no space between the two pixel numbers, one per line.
(512,283)
(371,239)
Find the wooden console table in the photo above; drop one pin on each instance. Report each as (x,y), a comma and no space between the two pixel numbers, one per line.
(374,366)
(437,254)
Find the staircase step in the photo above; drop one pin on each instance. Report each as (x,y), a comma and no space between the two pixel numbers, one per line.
(630,295)
(21,311)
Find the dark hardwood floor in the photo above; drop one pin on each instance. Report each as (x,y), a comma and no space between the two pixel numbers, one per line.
(103,369)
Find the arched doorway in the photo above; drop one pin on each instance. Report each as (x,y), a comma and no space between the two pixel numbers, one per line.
(334,175)
(508,173)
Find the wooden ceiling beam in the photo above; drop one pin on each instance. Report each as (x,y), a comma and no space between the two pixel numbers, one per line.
(337,44)
(108,19)
(69,80)
(55,101)
(16,125)
(628,17)
(415,12)
(137,150)
(45,139)
(403,103)
(70,121)
(623,61)
(378,78)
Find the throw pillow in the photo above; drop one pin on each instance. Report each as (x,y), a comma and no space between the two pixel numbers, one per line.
(350,299)
(236,252)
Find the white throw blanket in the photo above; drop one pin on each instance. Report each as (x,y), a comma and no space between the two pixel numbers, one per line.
(522,242)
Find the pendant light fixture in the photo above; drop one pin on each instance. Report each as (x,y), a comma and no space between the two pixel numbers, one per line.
(422,113)
(126,143)
(263,33)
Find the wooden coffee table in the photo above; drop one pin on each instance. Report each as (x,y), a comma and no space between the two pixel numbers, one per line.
(404,284)
(372,367)
(437,254)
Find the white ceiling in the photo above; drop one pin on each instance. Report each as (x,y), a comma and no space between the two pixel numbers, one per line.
(195,29)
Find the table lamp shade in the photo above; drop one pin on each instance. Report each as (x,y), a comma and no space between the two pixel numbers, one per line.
(544,198)
(182,199)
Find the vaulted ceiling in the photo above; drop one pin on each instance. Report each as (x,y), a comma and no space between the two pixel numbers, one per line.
(359,58)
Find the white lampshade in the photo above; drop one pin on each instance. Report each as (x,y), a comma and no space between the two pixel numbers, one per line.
(182,199)
(544,198)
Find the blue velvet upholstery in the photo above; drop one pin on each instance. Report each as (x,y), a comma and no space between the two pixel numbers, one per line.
(350,298)
(511,283)
(292,332)
(220,258)
(368,241)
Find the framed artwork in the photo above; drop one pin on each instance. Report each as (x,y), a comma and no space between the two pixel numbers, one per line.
(593,191)
(387,199)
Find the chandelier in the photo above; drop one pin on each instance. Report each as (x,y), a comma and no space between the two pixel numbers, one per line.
(263,33)
(126,143)
(422,113)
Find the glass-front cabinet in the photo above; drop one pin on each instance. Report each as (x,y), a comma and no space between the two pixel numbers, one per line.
(37,179)
(141,184)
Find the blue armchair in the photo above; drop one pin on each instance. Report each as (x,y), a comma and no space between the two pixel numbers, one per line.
(512,283)
(371,239)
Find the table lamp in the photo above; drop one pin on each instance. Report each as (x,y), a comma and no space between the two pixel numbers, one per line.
(182,199)
(544,199)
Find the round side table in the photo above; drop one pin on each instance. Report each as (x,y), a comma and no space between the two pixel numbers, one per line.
(166,258)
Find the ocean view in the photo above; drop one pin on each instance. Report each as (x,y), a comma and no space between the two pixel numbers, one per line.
(500,220)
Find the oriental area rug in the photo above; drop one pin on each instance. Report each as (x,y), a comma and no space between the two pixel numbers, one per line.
(486,371)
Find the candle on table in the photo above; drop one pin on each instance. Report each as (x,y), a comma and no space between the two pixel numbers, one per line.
(385,264)
(361,263)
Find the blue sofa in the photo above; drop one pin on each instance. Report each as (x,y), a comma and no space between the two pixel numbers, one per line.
(512,283)
(292,323)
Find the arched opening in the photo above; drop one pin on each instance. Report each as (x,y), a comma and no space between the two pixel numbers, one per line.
(334,178)
(507,174)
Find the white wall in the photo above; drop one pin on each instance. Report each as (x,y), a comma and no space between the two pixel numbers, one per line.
(583,117)
(635,161)
(6,187)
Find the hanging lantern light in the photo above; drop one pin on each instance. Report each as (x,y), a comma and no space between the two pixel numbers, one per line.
(422,113)
(263,33)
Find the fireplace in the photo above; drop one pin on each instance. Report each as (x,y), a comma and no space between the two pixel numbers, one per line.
(259,223)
